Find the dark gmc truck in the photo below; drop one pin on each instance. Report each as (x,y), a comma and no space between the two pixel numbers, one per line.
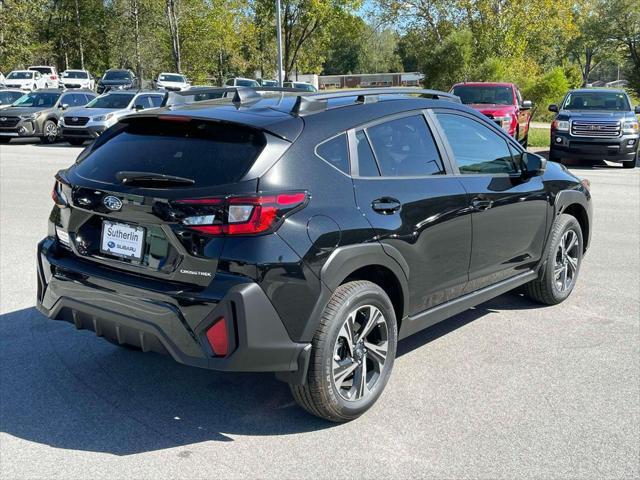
(595,124)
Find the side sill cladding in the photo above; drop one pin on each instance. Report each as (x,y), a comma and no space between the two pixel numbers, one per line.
(343,262)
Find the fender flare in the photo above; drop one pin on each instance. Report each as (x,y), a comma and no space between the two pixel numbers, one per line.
(343,261)
(566,198)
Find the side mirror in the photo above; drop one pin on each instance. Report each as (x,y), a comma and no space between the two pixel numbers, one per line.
(64,106)
(532,165)
(138,108)
(527,105)
(553,108)
(637,109)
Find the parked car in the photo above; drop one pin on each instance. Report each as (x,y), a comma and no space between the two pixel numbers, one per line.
(595,124)
(305,235)
(300,86)
(502,102)
(104,111)
(78,79)
(241,82)
(25,80)
(172,81)
(116,79)
(36,114)
(267,83)
(8,96)
(50,74)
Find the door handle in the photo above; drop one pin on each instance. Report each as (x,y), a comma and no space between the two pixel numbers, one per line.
(481,204)
(386,205)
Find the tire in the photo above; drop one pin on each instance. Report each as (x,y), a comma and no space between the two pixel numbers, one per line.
(50,130)
(333,391)
(554,157)
(75,141)
(560,271)
(5,139)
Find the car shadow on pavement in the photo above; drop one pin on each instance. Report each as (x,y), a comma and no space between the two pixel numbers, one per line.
(69,389)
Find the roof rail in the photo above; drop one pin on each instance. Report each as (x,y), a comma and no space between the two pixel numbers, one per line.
(307,104)
(241,95)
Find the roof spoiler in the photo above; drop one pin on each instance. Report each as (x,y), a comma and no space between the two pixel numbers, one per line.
(308,104)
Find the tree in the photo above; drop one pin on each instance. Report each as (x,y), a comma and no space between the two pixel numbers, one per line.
(174,30)
(450,62)
(624,21)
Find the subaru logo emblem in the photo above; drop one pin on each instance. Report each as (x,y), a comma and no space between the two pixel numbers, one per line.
(112,203)
(111,244)
(3,119)
(74,119)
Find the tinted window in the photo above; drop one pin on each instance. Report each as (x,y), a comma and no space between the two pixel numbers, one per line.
(114,100)
(74,99)
(44,70)
(596,100)
(36,99)
(208,153)
(496,95)
(117,75)
(405,147)
(148,101)
(246,83)
(366,161)
(477,148)
(336,152)
(9,97)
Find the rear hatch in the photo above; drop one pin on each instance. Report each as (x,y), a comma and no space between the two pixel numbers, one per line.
(129,201)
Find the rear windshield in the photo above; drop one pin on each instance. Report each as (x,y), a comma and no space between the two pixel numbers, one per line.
(43,70)
(208,153)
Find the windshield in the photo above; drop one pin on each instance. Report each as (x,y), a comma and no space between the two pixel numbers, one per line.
(9,97)
(616,101)
(75,74)
(171,78)
(38,100)
(484,94)
(112,100)
(246,83)
(20,75)
(117,75)
(269,83)
(43,70)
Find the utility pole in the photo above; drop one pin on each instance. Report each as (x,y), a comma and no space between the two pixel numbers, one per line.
(279,34)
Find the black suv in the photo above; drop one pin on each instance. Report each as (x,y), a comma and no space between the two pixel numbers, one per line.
(595,124)
(115,79)
(304,234)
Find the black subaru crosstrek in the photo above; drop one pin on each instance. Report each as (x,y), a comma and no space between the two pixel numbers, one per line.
(304,234)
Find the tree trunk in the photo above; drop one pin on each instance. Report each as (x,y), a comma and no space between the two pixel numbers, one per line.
(78,25)
(174,30)
(135,11)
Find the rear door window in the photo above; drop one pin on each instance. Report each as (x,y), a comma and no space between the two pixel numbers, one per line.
(208,153)
(367,166)
(405,148)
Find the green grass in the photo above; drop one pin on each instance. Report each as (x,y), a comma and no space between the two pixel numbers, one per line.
(539,137)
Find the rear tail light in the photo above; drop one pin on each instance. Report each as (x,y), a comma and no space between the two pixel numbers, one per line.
(218,337)
(54,77)
(247,215)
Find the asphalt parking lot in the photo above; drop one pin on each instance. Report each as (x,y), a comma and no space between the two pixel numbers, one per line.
(505,390)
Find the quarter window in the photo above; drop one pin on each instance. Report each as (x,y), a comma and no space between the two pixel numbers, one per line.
(405,147)
(477,149)
(335,152)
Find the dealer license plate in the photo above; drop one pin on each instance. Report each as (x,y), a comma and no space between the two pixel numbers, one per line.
(122,240)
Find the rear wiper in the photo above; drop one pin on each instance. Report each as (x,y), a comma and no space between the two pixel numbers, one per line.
(153,179)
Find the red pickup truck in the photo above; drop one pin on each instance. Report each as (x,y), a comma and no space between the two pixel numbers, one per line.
(501,102)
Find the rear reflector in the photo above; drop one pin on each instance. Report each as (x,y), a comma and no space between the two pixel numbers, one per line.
(218,337)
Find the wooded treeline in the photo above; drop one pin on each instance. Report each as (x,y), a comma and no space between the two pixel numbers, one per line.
(546,46)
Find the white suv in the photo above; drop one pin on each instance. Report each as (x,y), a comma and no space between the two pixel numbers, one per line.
(174,82)
(50,74)
(78,79)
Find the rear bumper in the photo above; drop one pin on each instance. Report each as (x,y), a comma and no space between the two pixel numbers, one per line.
(172,321)
(619,149)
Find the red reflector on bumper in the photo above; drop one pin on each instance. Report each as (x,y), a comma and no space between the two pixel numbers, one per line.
(218,337)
